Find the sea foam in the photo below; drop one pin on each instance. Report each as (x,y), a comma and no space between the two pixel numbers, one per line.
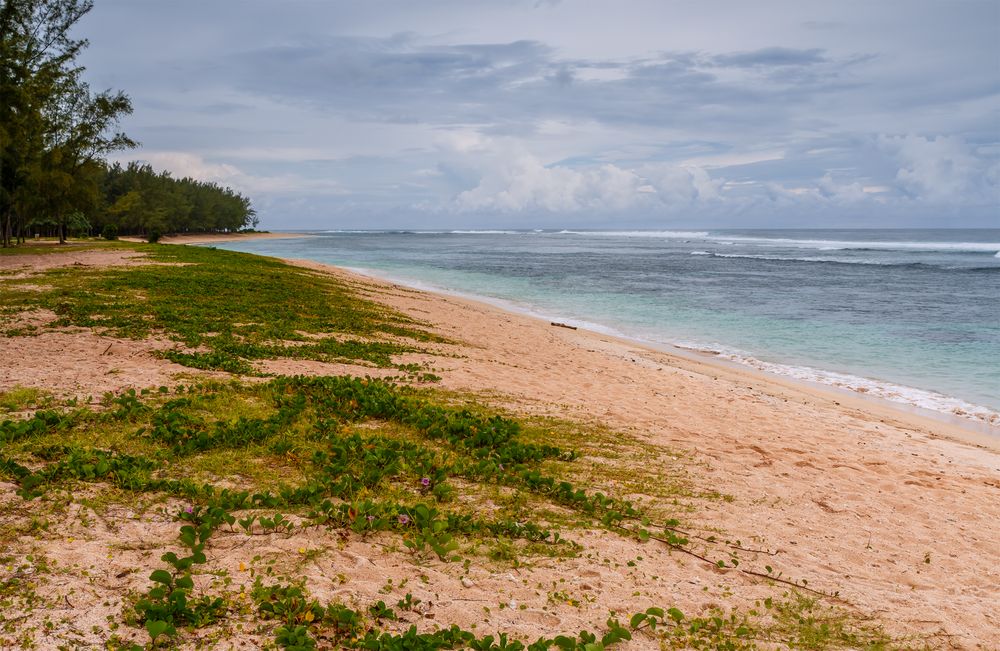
(670,235)
(912,396)
(822,245)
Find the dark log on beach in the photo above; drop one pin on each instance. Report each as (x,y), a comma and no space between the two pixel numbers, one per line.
(563,325)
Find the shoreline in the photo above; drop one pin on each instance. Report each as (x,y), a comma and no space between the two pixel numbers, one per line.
(964,430)
(845,487)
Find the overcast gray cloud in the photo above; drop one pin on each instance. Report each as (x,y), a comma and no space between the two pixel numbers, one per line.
(404,114)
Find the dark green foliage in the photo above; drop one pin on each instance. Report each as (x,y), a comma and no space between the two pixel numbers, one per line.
(294,639)
(138,200)
(54,133)
(170,603)
(53,129)
(288,604)
(154,235)
(213,361)
(41,422)
(492,437)
(110,232)
(346,467)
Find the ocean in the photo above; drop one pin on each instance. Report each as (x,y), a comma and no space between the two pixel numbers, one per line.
(911,316)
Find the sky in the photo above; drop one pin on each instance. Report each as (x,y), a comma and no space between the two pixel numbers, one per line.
(584,114)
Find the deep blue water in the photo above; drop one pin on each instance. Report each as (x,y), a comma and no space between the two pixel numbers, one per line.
(912,315)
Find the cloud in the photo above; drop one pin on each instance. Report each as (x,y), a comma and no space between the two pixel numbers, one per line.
(513,85)
(682,185)
(514,180)
(483,111)
(523,183)
(184,164)
(943,168)
(771,56)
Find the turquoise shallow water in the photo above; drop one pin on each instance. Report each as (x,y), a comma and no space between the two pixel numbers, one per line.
(910,315)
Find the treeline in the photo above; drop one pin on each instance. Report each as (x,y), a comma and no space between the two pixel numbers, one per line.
(137,200)
(55,133)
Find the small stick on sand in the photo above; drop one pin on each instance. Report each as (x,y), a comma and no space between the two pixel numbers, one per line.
(563,325)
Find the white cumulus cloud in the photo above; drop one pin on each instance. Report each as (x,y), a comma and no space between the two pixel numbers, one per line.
(511,179)
(185,164)
(942,168)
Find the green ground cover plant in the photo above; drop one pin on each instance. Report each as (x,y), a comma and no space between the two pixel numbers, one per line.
(372,458)
(224,309)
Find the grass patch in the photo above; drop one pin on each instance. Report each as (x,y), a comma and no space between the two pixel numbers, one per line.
(234,307)
(23,398)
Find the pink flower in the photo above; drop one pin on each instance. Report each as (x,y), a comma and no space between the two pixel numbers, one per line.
(425,482)
(404,519)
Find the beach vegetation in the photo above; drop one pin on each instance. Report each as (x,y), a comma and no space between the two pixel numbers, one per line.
(272,310)
(54,130)
(55,133)
(21,398)
(361,457)
(137,200)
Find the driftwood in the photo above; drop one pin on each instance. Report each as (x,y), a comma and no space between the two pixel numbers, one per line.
(563,325)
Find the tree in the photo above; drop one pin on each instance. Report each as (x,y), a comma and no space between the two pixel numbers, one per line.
(138,199)
(53,129)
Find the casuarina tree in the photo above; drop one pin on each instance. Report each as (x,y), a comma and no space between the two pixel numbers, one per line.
(54,130)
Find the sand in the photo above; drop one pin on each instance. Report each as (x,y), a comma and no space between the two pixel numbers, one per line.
(852,492)
(898,512)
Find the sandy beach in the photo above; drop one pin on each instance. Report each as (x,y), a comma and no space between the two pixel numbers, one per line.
(852,491)
(896,512)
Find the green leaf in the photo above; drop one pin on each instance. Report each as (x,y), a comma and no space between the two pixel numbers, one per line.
(161,576)
(615,635)
(158,627)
